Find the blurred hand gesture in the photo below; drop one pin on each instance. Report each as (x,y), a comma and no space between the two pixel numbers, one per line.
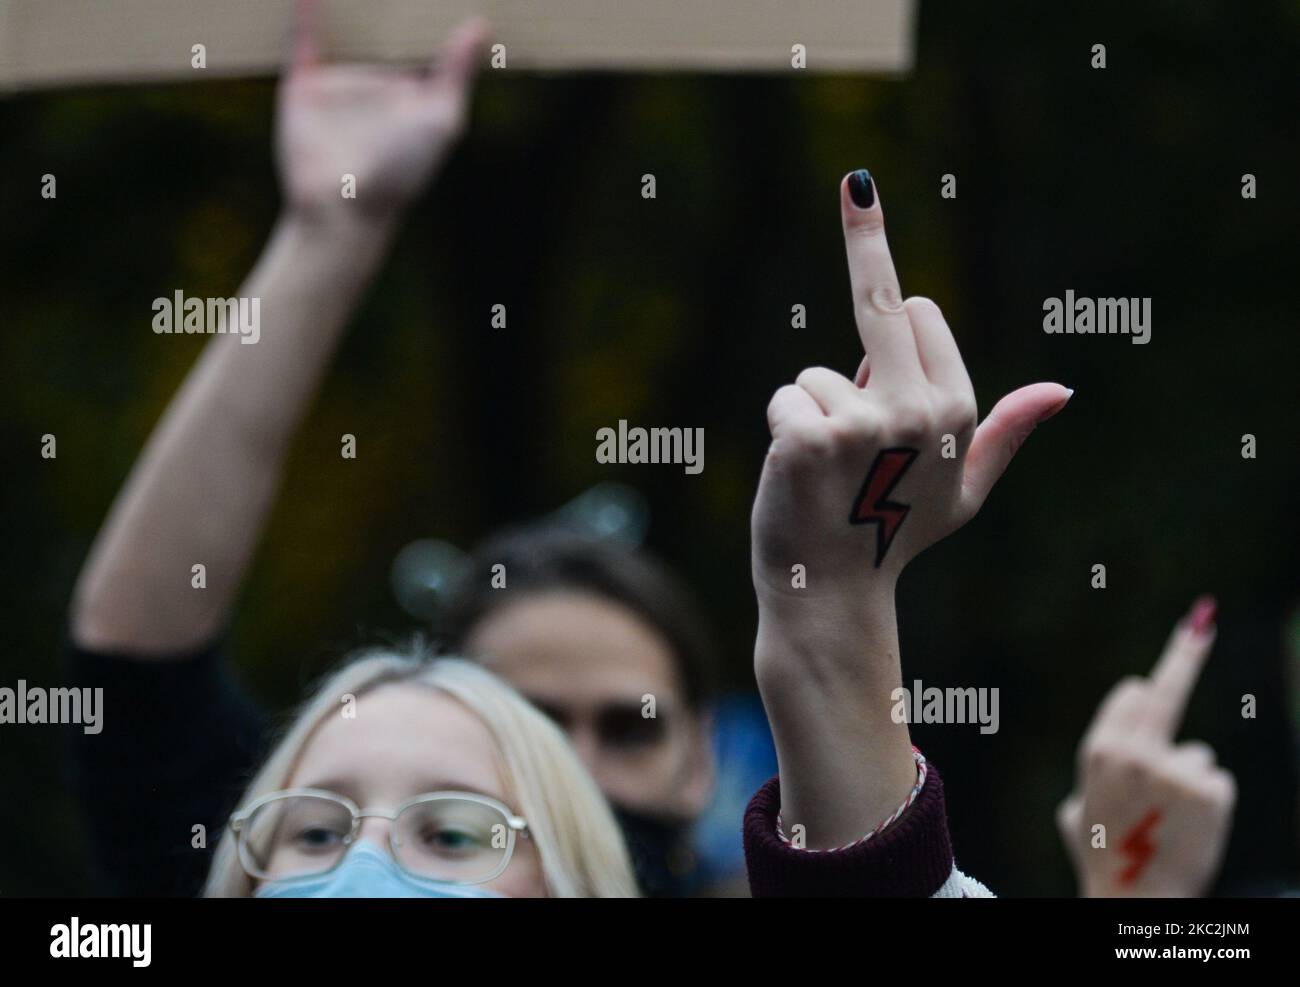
(389,129)
(1166,807)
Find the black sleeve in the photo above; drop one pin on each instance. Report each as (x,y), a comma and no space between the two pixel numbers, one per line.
(178,740)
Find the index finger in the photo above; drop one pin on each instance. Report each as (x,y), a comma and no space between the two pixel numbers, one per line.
(1175,674)
(305,50)
(878,308)
(458,61)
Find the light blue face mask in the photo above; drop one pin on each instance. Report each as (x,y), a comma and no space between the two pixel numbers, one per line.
(368,872)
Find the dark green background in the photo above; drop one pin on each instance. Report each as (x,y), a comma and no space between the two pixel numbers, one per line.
(677,312)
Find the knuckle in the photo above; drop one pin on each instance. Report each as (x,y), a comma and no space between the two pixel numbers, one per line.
(1103,753)
(1121,756)
(886,298)
(782,393)
(810,441)
(922,305)
(1198,750)
(1198,789)
(1227,787)
(1068,813)
(848,430)
(864,419)
(912,432)
(810,375)
(912,419)
(958,411)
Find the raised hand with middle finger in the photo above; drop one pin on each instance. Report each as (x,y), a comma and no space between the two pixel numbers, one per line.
(1150,817)
(862,475)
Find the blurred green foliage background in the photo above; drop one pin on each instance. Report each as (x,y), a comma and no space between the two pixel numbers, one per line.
(676,311)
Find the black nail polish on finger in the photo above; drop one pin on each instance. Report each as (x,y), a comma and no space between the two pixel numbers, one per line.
(862,190)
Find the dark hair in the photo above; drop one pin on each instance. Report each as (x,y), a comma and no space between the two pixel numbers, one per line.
(541,559)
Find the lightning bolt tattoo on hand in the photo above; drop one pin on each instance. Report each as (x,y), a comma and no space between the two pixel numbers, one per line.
(1139,847)
(872,505)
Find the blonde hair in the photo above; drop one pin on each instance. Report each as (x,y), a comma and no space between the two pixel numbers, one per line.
(580,846)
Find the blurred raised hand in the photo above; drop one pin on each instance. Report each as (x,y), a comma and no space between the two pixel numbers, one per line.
(389,129)
(202,489)
(1165,807)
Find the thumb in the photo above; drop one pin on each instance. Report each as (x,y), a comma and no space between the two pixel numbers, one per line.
(458,62)
(1001,434)
(305,51)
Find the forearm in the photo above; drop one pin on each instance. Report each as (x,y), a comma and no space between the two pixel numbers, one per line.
(826,670)
(204,484)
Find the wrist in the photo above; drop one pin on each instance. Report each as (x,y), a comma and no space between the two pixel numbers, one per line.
(827,677)
(816,603)
(841,785)
(344,218)
(826,661)
(828,639)
(338,248)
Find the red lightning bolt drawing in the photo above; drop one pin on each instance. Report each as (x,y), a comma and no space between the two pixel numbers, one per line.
(1139,847)
(872,507)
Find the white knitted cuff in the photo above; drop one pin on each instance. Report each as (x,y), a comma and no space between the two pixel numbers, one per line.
(961,885)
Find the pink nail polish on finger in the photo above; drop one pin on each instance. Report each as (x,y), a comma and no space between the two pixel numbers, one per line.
(1201,618)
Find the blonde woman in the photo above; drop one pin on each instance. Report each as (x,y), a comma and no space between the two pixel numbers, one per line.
(409,776)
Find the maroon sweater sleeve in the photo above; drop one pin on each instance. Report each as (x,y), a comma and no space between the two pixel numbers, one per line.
(912,858)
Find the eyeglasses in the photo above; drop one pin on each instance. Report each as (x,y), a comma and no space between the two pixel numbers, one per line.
(458,837)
